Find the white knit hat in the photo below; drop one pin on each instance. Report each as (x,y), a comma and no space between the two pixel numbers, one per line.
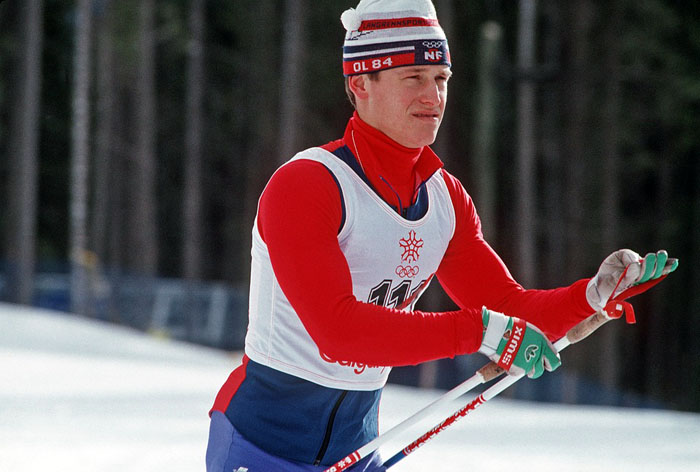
(382,34)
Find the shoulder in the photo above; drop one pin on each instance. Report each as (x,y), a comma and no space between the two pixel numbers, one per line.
(457,192)
(465,211)
(301,189)
(301,178)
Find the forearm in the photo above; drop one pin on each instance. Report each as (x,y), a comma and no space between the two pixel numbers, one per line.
(481,279)
(348,329)
(554,311)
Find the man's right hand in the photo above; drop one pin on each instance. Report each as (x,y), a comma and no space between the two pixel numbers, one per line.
(517,346)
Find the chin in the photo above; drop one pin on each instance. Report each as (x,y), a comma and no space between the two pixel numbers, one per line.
(427,140)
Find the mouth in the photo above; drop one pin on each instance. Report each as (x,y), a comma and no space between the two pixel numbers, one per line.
(427,116)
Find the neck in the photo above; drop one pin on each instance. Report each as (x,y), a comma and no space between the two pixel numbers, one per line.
(389,166)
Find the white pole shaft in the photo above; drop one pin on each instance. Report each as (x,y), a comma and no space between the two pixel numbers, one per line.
(455,393)
(376,443)
(575,334)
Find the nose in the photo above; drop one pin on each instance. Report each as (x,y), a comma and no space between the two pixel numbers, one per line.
(431,93)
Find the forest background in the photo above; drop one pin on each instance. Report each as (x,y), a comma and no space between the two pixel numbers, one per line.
(136,137)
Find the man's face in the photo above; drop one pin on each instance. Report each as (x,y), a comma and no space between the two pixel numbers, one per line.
(406,103)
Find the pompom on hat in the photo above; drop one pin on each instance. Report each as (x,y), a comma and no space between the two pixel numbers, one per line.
(383,34)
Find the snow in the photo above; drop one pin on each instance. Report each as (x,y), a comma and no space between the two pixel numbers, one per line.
(81,395)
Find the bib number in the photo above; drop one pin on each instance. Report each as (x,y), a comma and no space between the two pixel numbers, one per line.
(385,294)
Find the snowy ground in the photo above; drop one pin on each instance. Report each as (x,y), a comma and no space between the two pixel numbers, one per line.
(78,395)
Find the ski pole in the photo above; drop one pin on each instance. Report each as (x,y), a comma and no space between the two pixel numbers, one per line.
(574,335)
(487,373)
(614,309)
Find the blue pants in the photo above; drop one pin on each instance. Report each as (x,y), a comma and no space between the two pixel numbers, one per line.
(228,450)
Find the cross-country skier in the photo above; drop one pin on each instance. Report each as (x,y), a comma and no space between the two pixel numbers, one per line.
(346,238)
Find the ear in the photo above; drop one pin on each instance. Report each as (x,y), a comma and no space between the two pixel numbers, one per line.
(358,86)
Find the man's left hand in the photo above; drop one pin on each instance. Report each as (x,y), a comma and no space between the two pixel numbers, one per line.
(623,270)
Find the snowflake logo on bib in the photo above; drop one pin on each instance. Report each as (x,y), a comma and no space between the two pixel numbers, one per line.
(410,247)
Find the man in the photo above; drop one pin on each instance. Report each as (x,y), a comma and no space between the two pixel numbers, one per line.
(346,238)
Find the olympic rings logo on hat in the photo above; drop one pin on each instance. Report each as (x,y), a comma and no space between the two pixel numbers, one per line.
(433,44)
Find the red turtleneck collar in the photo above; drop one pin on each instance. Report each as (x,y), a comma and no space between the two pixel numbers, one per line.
(395,171)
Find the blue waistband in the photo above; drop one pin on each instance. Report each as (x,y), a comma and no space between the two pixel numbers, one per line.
(300,420)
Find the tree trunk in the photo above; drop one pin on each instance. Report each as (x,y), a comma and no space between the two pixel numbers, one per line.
(526,209)
(609,366)
(577,93)
(104,131)
(192,219)
(576,85)
(554,229)
(484,154)
(143,228)
(291,96)
(80,157)
(23,168)
(662,341)
(690,362)
(262,155)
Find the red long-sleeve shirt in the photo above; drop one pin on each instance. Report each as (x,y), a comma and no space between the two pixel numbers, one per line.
(299,215)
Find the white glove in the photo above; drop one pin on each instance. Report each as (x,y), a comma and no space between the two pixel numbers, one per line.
(624,269)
